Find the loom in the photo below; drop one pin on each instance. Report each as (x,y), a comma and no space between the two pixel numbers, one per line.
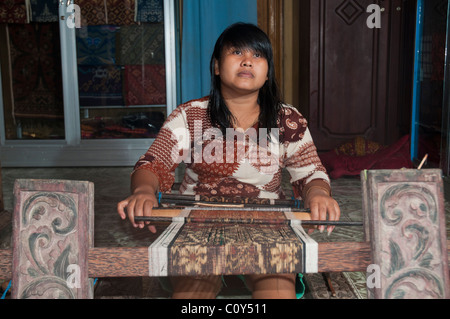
(404,224)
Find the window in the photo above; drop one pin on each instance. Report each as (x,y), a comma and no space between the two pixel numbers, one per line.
(121,70)
(88,83)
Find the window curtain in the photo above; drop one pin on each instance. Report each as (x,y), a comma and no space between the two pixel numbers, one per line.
(203,22)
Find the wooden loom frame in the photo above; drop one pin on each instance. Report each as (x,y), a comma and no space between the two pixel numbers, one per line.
(105,262)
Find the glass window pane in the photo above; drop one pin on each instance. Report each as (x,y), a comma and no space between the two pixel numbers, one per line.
(31,77)
(121,69)
(432,65)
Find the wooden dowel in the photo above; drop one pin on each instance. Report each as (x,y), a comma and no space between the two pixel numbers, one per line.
(330,284)
(246,220)
(423,161)
(210,206)
(181,202)
(247,202)
(167,215)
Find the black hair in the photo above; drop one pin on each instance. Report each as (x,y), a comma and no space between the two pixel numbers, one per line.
(245,36)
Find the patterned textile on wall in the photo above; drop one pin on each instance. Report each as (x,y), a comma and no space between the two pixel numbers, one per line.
(100,85)
(44,10)
(145,84)
(93,12)
(149,11)
(142,44)
(100,12)
(120,12)
(36,70)
(14,11)
(96,45)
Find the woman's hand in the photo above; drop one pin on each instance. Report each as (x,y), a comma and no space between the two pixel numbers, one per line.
(140,203)
(144,185)
(322,204)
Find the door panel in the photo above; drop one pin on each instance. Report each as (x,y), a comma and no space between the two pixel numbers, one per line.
(350,72)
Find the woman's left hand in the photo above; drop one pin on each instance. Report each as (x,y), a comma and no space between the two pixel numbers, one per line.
(322,204)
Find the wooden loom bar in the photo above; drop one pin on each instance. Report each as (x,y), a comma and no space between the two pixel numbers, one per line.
(133,261)
(259,221)
(5,264)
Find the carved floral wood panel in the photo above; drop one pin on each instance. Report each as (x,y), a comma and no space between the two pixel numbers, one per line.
(405,212)
(53,230)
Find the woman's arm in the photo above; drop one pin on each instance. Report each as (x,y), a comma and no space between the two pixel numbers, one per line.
(318,199)
(309,178)
(144,185)
(153,171)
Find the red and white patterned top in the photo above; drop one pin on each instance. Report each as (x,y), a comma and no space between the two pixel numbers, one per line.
(237,164)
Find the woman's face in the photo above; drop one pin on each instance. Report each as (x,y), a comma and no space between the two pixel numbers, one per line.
(241,72)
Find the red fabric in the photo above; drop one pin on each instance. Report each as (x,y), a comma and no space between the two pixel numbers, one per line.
(145,85)
(394,156)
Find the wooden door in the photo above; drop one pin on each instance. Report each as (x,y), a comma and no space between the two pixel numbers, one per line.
(352,71)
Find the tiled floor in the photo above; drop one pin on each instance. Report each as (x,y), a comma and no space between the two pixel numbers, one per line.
(112,185)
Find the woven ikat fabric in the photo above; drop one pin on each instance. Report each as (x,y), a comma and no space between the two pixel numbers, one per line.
(276,244)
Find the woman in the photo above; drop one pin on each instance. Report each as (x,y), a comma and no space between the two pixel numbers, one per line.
(235,142)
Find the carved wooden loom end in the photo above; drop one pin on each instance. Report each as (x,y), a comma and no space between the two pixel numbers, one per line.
(53,230)
(405,222)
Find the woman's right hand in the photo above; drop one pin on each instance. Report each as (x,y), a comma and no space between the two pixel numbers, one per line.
(144,185)
(140,203)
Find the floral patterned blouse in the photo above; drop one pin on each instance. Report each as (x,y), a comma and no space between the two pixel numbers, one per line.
(238,163)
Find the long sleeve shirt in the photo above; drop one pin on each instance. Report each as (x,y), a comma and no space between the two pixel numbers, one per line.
(238,163)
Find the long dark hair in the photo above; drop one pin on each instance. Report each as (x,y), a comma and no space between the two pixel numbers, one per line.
(245,36)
